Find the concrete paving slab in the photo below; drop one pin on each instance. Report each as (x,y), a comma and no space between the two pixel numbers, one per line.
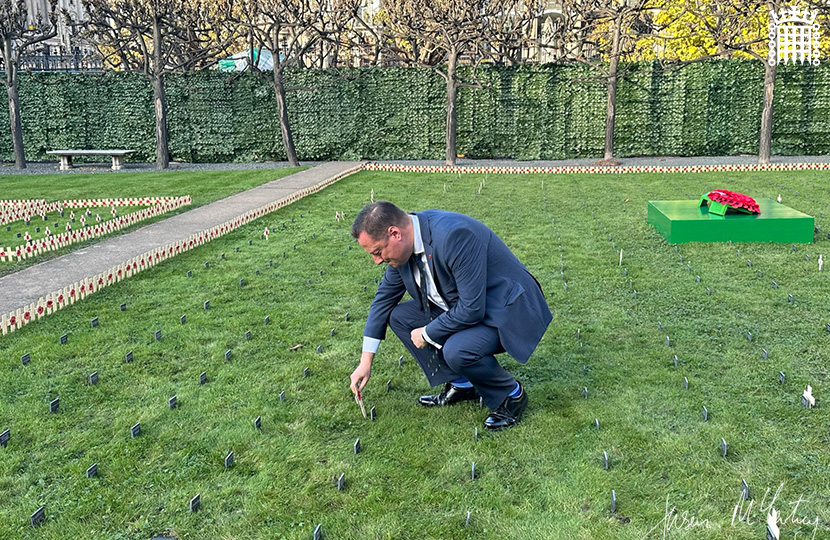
(24,287)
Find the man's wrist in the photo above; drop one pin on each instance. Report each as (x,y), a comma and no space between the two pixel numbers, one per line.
(426,338)
(370,344)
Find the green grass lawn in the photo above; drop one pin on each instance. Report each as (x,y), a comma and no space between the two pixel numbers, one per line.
(542,479)
(13,234)
(203,187)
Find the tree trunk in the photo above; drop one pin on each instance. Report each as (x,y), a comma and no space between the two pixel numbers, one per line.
(14,121)
(378,59)
(765,139)
(611,110)
(285,126)
(452,93)
(764,148)
(253,58)
(159,99)
(160,102)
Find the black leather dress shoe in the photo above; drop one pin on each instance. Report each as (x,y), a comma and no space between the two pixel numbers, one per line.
(450,395)
(508,413)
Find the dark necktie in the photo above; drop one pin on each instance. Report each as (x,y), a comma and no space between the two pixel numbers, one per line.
(423,286)
(432,356)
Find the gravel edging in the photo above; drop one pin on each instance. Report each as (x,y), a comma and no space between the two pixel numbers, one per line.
(51,167)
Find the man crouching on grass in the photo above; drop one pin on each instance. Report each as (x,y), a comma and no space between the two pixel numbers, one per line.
(472,299)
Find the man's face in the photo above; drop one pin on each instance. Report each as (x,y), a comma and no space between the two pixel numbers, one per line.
(390,248)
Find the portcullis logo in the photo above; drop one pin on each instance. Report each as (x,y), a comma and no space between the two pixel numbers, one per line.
(793,37)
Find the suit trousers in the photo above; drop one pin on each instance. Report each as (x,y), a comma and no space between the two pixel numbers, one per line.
(468,353)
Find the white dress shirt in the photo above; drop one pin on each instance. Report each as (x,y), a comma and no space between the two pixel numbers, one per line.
(372,344)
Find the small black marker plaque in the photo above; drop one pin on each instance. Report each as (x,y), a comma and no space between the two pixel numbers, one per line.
(38,517)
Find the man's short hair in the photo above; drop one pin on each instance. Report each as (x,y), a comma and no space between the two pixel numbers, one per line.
(376,218)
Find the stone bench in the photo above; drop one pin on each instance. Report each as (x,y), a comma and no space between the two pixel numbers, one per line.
(66,156)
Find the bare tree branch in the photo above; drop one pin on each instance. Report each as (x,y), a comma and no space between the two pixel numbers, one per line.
(441,34)
(157,37)
(20,31)
(292,30)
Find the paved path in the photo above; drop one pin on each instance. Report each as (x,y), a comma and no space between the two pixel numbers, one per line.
(26,286)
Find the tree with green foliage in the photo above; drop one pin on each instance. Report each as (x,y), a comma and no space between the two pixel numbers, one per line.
(440,34)
(158,37)
(20,32)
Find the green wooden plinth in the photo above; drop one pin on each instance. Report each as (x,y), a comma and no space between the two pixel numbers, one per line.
(681,222)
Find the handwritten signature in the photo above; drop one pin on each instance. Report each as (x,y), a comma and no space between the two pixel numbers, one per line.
(678,521)
(745,511)
(739,514)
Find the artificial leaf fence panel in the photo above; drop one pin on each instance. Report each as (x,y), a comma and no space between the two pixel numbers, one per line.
(119,114)
(398,112)
(802,109)
(524,112)
(256,131)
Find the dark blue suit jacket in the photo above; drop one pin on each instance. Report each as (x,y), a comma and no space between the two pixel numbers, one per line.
(479,278)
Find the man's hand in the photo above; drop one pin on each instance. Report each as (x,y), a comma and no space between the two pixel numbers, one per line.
(361,375)
(418,338)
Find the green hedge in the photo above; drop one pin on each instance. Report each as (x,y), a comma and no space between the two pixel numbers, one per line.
(524,112)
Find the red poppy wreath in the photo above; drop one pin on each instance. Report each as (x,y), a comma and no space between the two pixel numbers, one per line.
(721,200)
